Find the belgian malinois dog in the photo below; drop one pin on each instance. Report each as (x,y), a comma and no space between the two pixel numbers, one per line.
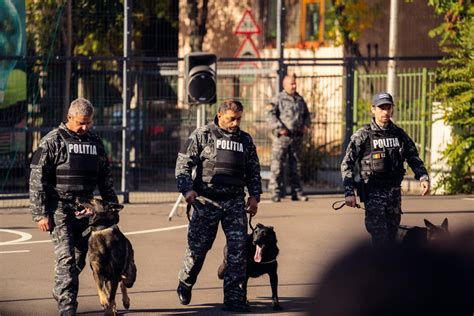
(415,235)
(110,253)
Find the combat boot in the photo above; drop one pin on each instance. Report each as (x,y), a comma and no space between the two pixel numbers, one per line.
(236,307)
(298,196)
(276,198)
(184,293)
(68,312)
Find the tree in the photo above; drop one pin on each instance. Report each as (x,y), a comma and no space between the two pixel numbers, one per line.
(455,90)
(198,19)
(348,19)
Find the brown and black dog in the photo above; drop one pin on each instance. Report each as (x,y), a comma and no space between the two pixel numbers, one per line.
(110,253)
(262,252)
(415,235)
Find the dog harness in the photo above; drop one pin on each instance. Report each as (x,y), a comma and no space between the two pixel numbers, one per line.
(80,170)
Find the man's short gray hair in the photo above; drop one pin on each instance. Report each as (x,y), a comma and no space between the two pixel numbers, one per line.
(81,106)
(231,104)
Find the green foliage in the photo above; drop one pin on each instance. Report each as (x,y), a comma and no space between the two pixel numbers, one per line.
(350,18)
(454,12)
(97,25)
(455,91)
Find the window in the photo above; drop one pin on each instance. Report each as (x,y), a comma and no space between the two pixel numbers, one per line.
(312,23)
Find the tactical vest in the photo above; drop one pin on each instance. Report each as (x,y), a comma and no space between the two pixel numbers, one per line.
(383,157)
(228,168)
(80,171)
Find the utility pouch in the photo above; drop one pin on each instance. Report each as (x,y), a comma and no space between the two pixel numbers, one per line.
(362,190)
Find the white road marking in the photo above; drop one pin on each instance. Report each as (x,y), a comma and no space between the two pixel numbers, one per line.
(23,236)
(19,242)
(14,251)
(155,230)
(26,243)
(468,199)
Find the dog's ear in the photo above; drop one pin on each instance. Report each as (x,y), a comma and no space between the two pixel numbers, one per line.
(115,206)
(444,224)
(429,224)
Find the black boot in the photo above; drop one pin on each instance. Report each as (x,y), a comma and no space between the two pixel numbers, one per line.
(184,293)
(236,307)
(298,196)
(68,312)
(276,198)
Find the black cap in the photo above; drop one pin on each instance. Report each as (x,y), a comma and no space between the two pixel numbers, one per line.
(382,98)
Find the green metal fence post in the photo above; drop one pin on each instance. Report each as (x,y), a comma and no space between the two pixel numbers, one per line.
(424,83)
(355,102)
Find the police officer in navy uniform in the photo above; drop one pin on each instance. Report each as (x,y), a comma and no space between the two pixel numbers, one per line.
(226,162)
(380,149)
(69,162)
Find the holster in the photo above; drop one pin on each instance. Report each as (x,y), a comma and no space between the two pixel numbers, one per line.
(362,190)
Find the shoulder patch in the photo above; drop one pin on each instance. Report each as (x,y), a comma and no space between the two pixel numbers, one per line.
(37,156)
(185,146)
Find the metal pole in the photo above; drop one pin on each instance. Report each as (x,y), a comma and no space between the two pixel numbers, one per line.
(67,81)
(280,44)
(200,121)
(392,49)
(126,96)
(349,102)
(424,97)
(201,115)
(355,104)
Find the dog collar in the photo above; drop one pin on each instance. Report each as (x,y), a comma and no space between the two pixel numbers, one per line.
(90,229)
(267,262)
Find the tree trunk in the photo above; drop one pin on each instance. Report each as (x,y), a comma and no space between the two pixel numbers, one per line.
(67,79)
(197,26)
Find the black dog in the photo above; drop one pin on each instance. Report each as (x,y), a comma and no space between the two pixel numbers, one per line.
(110,255)
(414,235)
(262,252)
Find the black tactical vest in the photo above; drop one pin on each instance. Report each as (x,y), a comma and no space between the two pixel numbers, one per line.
(383,157)
(80,171)
(229,165)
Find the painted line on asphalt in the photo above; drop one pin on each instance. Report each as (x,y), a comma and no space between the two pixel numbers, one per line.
(13,251)
(18,242)
(23,236)
(468,199)
(155,230)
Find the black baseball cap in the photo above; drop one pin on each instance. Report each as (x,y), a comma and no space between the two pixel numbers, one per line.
(382,98)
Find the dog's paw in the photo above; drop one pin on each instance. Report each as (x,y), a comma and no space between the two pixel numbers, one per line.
(126,305)
(277,307)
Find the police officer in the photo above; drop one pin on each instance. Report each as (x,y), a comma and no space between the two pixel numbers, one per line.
(289,117)
(380,149)
(70,162)
(226,161)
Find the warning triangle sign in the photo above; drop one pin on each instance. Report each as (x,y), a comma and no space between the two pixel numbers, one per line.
(247,24)
(247,49)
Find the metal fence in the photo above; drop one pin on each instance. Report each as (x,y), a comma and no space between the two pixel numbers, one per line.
(413,104)
(159,121)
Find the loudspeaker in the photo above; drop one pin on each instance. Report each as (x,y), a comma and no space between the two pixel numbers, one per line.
(200,76)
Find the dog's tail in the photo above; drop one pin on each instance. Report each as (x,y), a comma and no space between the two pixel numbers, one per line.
(221,271)
(130,275)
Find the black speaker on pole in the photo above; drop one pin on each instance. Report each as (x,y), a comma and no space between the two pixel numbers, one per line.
(200,76)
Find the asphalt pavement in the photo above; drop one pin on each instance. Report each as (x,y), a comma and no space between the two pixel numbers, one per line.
(311,235)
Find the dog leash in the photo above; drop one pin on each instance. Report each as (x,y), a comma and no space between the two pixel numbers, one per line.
(203,200)
(250,223)
(343,203)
